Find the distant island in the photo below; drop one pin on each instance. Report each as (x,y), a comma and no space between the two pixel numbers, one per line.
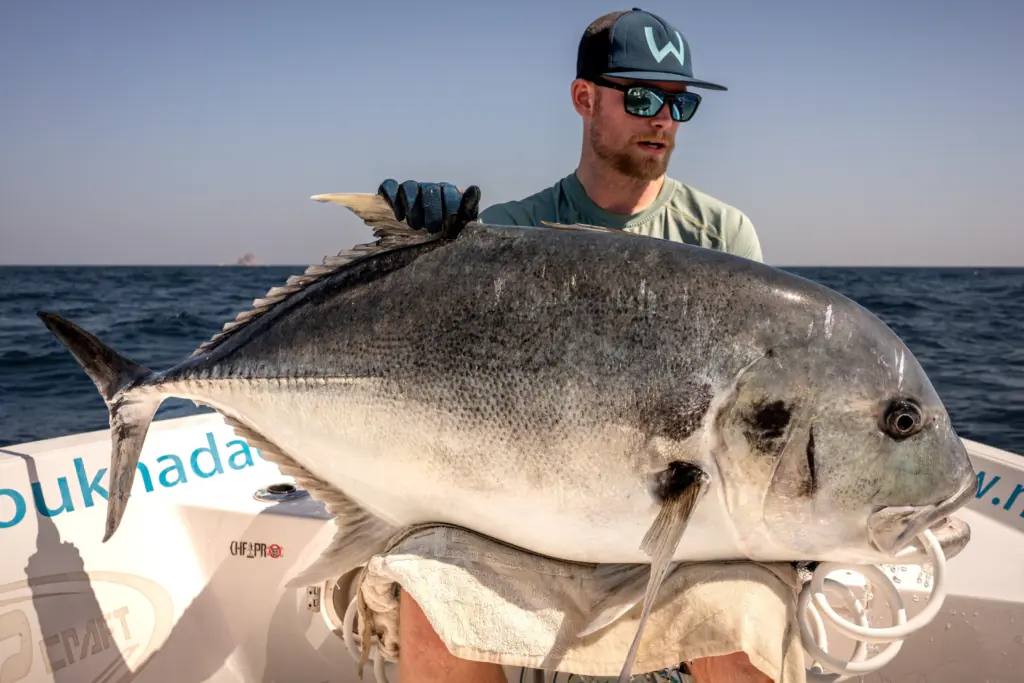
(248,260)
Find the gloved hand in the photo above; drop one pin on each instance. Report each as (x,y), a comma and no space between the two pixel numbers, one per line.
(430,206)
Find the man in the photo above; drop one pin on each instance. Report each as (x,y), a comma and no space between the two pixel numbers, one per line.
(632,91)
(633,75)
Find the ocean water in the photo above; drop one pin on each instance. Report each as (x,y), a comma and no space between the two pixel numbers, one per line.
(965,326)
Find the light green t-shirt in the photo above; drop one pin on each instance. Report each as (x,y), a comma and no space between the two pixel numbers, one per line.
(680,213)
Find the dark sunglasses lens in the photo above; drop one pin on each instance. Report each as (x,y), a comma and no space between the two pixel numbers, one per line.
(685,106)
(646,102)
(642,101)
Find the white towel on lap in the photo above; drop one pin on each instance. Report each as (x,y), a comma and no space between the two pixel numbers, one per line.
(493,603)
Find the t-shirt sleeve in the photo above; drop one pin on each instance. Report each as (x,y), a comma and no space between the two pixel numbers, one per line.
(503,214)
(744,241)
(497,215)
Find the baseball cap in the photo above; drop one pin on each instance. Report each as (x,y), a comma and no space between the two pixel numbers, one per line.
(638,45)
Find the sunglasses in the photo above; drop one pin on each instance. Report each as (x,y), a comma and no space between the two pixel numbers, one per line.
(646,100)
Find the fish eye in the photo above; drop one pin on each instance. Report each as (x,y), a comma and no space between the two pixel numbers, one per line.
(902,418)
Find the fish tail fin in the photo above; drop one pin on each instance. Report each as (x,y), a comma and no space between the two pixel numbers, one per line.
(130,412)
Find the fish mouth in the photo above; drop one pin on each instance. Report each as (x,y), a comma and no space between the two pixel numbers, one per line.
(952,533)
(894,530)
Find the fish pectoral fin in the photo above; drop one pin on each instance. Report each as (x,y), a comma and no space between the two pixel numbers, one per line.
(679,488)
(360,535)
(620,587)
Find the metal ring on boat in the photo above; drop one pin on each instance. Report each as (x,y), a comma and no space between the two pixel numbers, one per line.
(862,633)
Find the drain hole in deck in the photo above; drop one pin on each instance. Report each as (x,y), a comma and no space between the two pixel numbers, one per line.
(280,492)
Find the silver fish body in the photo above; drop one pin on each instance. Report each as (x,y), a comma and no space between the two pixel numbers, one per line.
(532,384)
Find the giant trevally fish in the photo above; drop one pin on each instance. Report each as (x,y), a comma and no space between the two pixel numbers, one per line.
(578,392)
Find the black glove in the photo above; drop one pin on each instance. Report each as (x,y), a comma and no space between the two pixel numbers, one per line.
(430,206)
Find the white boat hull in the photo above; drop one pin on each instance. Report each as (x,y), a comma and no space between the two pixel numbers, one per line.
(192,583)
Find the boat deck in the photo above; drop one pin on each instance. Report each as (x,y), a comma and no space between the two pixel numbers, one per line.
(192,583)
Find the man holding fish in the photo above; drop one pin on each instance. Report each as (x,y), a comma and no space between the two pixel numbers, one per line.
(632,90)
(657,425)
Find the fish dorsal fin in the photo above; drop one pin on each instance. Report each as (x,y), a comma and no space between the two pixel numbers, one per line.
(378,214)
(389,232)
(374,210)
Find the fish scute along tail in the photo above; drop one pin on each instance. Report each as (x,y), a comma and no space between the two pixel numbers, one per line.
(130,414)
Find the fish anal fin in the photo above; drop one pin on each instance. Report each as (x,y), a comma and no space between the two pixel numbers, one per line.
(359,536)
(678,488)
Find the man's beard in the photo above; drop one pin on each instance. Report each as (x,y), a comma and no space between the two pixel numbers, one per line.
(638,166)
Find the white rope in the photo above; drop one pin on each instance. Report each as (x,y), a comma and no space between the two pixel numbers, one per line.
(348,635)
(816,645)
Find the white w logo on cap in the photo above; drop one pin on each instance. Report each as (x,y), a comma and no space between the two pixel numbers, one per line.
(659,53)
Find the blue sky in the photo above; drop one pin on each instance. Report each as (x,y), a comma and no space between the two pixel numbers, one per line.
(853,133)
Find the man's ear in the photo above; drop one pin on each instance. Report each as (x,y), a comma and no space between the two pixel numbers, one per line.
(583,95)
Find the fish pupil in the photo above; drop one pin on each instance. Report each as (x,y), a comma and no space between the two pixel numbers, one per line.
(902,419)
